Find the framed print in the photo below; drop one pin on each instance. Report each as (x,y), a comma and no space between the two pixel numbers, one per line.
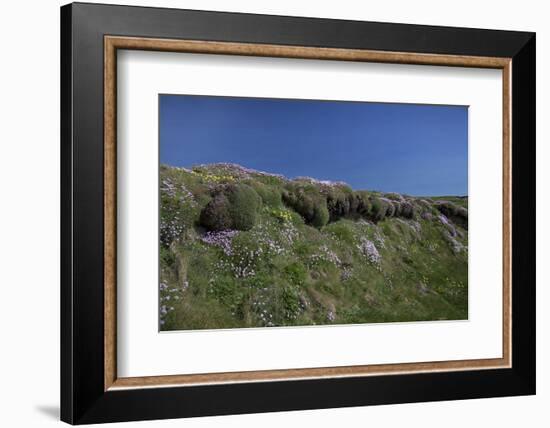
(264,213)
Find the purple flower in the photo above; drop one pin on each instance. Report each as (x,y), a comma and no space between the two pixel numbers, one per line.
(221,239)
(370,251)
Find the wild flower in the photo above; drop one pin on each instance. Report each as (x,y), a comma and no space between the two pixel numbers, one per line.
(281,214)
(170,229)
(235,170)
(327,183)
(346,274)
(217,179)
(221,239)
(331,316)
(370,251)
(456,246)
(379,239)
(413,224)
(163,311)
(325,255)
(289,233)
(445,221)
(169,188)
(426,215)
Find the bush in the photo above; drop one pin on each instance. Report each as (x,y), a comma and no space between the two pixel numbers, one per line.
(447,208)
(312,206)
(363,204)
(270,195)
(320,214)
(407,210)
(338,205)
(216,214)
(379,209)
(295,273)
(457,214)
(235,207)
(390,208)
(244,204)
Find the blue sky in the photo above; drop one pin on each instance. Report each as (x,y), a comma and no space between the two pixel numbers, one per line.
(406,148)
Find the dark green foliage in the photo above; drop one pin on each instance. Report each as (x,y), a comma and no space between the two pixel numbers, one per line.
(363,203)
(309,203)
(407,210)
(320,214)
(271,195)
(216,215)
(290,302)
(235,207)
(379,208)
(244,204)
(296,273)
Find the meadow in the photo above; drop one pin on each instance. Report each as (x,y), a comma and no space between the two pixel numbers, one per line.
(244,248)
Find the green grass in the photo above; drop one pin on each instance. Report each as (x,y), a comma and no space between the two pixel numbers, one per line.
(287,269)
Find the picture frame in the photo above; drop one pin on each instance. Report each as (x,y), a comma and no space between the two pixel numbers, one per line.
(91,390)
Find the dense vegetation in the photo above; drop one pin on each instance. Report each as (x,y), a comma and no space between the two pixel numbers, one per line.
(243,248)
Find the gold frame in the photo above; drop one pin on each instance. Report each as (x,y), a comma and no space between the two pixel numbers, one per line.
(113,43)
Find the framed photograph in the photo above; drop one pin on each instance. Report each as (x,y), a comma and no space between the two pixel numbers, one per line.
(266,213)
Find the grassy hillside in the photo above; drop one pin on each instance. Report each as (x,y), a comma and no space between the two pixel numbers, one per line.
(243,248)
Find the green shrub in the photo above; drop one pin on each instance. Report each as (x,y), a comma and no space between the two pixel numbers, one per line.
(320,214)
(338,205)
(309,203)
(244,204)
(270,195)
(379,209)
(235,207)
(295,273)
(364,204)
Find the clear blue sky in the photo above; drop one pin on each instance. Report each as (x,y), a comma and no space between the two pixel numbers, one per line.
(405,148)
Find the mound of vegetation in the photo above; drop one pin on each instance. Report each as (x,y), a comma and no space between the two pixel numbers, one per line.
(244,248)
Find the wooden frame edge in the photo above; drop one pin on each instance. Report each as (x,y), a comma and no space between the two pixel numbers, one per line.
(112,43)
(109,198)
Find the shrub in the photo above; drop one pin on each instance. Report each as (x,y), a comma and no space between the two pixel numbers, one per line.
(235,207)
(364,204)
(270,195)
(378,209)
(320,214)
(457,214)
(311,205)
(216,214)
(447,208)
(244,204)
(338,205)
(390,208)
(407,210)
(295,273)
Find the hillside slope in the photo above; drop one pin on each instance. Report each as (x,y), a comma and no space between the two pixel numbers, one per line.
(243,248)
